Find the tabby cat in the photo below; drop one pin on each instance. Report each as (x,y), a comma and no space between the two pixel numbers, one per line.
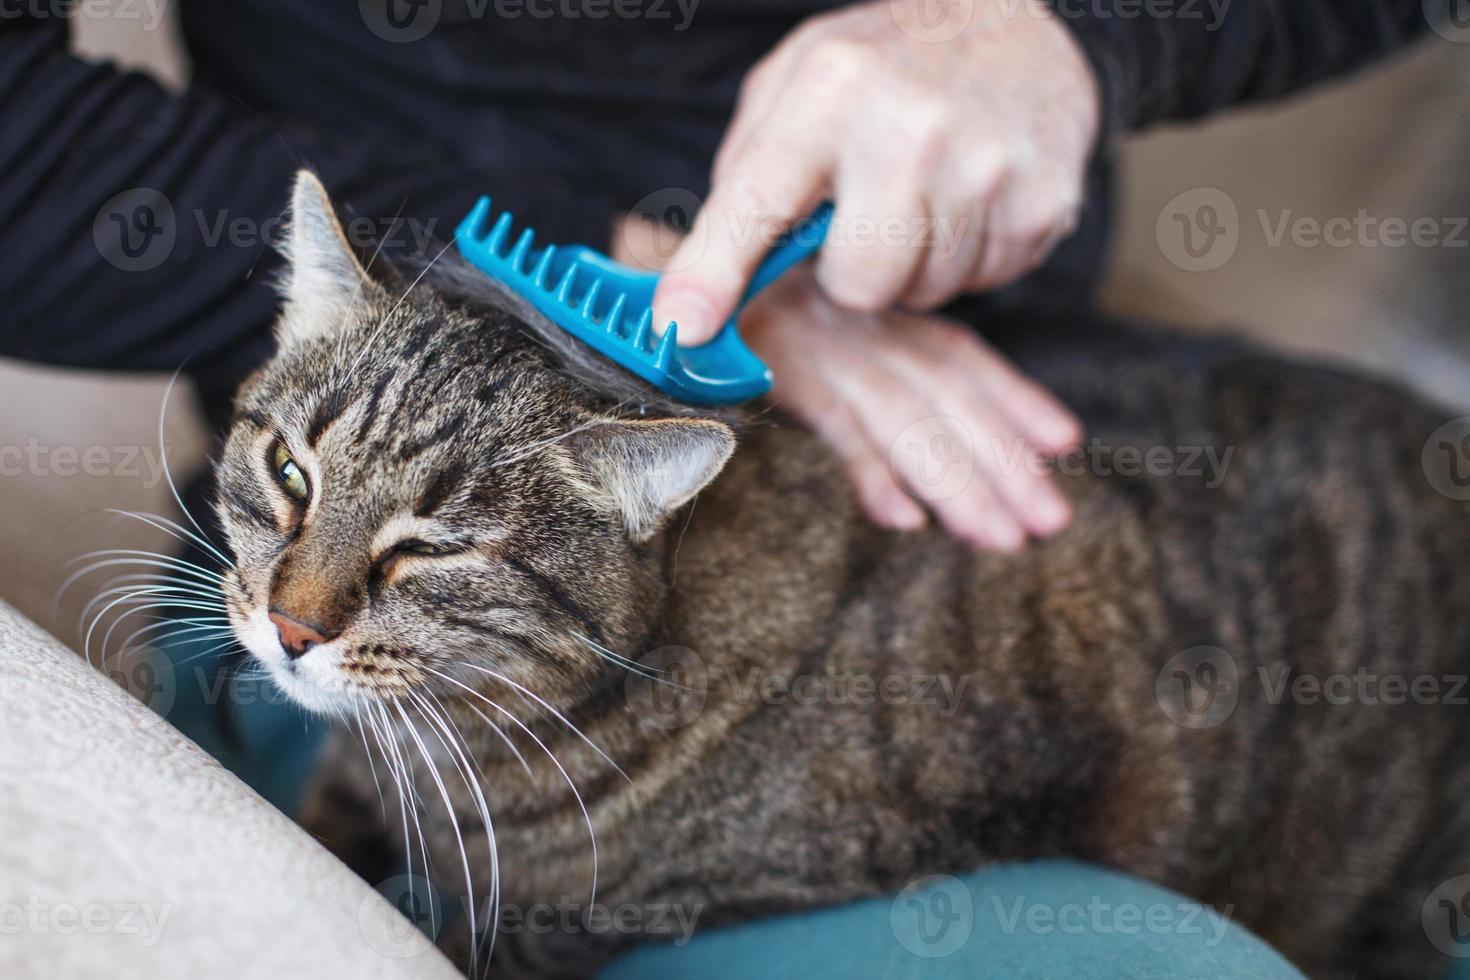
(460,534)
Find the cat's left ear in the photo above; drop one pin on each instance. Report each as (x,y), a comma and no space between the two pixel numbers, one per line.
(645,469)
(326,280)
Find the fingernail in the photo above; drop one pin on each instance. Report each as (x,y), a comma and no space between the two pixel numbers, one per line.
(904,514)
(1061,433)
(1004,533)
(1049,513)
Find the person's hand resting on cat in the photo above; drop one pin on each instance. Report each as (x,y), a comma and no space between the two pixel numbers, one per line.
(986,134)
(861,379)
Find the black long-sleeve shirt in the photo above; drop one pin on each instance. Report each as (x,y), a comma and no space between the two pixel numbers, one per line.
(135,224)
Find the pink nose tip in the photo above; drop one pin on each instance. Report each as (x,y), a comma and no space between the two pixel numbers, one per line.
(296,637)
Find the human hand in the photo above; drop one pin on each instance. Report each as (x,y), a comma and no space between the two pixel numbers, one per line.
(876,384)
(980,140)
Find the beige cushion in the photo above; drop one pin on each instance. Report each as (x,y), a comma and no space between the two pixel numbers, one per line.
(126,851)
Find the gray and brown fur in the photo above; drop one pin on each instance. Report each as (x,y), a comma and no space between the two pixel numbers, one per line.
(1324,549)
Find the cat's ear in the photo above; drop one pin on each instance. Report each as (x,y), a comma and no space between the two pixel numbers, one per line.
(647,469)
(325,281)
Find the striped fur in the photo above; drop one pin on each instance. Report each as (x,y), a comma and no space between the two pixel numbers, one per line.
(1321,549)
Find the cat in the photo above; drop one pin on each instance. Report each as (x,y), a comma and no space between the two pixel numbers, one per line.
(481,547)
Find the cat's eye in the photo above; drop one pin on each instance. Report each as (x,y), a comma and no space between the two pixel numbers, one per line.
(425,548)
(289,474)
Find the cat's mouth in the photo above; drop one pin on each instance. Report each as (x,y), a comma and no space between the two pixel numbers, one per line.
(314,680)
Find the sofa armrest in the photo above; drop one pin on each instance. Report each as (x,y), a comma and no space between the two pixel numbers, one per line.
(126,851)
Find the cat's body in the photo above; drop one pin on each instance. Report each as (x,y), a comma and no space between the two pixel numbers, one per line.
(842,710)
(1026,718)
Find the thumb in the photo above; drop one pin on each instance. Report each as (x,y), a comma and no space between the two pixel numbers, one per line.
(737,226)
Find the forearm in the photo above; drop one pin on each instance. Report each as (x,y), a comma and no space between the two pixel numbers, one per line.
(1180,59)
(138,225)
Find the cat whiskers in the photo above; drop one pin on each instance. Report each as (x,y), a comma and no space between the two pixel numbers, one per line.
(145,591)
(175,530)
(363,279)
(531,449)
(548,707)
(618,660)
(461,765)
(203,536)
(408,799)
(586,815)
(378,329)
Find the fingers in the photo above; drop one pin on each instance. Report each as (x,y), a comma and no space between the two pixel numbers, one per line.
(1001,457)
(1036,414)
(879,493)
(806,392)
(929,452)
(778,176)
(869,273)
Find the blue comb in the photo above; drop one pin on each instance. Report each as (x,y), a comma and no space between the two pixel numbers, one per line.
(608,306)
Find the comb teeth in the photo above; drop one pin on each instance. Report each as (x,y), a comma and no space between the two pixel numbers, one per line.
(474,225)
(500,232)
(607,306)
(564,288)
(664,356)
(591,298)
(518,254)
(641,330)
(543,267)
(615,316)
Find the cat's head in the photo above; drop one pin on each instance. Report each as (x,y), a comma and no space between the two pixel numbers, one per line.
(418,496)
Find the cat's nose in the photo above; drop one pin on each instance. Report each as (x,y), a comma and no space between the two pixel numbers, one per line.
(297,637)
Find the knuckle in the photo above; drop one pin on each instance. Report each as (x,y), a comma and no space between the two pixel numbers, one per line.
(1031,231)
(982,169)
(752,195)
(852,286)
(924,132)
(753,82)
(839,62)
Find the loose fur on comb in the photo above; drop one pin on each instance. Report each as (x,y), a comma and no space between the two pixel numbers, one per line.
(620,392)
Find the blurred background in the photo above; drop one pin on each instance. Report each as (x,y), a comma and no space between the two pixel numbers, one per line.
(1391,146)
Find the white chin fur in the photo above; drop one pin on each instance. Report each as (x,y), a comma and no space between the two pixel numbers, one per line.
(313,681)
